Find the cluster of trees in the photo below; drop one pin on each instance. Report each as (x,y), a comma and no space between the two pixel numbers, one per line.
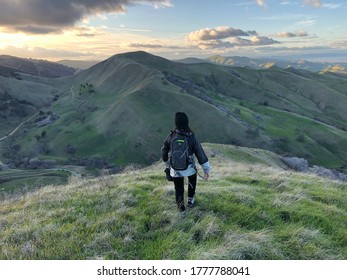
(86,88)
(10,106)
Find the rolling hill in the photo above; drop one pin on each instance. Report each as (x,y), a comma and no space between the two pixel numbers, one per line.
(264,63)
(35,67)
(119,111)
(78,64)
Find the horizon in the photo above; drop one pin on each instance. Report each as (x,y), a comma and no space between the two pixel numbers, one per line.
(311,30)
(274,58)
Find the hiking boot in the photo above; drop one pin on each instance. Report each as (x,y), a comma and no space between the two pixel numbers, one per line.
(183,214)
(191,202)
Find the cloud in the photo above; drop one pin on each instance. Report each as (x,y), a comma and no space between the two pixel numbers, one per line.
(340,44)
(262,41)
(301,33)
(227,37)
(214,44)
(86,31)
(217,33)
(52,16)
(261,3)
(332,6)
(307,22)
(39,52)
(314,3)
(151,46)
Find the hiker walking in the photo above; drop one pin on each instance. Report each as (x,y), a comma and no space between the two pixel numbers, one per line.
(178,152)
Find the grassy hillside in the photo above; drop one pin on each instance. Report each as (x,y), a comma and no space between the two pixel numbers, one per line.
(251,208)
(119,111)
(36,67)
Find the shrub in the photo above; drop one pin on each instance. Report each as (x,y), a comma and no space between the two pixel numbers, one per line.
(70,149)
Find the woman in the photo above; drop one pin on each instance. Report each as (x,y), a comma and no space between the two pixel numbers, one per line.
(182,134)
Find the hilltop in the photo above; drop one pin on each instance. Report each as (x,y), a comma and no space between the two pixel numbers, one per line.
(251,208)
(36,67)
(118,112)
(78,64)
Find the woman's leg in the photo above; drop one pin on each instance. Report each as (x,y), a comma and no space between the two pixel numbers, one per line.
(179,188)
(191,185)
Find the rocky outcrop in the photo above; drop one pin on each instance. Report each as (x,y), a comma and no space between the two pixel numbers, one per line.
(301,165)
(297,164)
(330,173)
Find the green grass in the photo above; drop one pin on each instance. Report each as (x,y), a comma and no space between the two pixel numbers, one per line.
(247,210)
(14,181)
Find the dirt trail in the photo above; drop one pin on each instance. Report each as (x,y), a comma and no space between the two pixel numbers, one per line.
(3,138)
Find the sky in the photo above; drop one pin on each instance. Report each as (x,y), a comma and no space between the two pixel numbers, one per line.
(97,29)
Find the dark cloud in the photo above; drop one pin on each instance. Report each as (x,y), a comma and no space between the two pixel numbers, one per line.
(47,16)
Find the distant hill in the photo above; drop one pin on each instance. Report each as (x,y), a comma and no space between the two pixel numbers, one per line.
(238,61)
(78,64)
(335,69)
(9,73)
(191,60)
(42,68)
(119,111)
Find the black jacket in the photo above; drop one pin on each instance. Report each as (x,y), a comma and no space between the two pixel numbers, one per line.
(193,145)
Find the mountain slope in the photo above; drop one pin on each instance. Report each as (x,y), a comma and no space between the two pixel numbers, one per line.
(78,64)
(35,67)
(251,208)
(23,96)
(118,119)
(120,110)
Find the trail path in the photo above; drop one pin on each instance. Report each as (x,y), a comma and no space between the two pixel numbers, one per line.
(72,93)
(3,138)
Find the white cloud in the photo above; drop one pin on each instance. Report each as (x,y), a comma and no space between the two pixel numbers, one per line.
(307,22)
(217,33)
(87,31)
(340,44)
(331,6)
(261,3)
(262,41)
(223,37)
(313,3)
